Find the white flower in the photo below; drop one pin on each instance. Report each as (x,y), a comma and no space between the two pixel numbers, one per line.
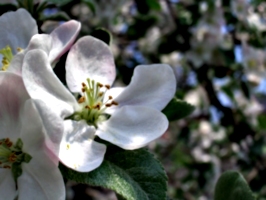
(254,63)
(19,34)
(24,145)
(127,117)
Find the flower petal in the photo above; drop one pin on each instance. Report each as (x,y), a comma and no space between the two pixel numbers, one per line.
(132,127)
(45,122)
(78,150)
(41,179)
(17,28)
(7,185)
(42,84)
(89,58)
(13,96)
(63,37)
(41,176)
(151,85)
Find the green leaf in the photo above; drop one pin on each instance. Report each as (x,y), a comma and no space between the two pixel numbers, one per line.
(91,5)
(154,4)
(134,175)
(59,16)
(102,34)
(177,109)
(232,186)
(59,2)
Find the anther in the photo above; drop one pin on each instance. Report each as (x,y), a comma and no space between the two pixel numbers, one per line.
(114,103)
(83,84)
(110,97)
(99,85)
(12,158)
(108,86)
(108,105)
(100,94)
(88,107)
(97,106)
(19,49)
(81,99)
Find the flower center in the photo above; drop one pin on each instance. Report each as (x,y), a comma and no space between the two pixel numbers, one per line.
(93,102)
(12,153)
(7,56)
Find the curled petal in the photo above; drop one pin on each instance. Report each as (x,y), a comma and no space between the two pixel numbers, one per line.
(78,150)
(13,96)
(7,185)
(132,127)
(17,28)
(151,85)
(42,84)
(89,58)
(63,37)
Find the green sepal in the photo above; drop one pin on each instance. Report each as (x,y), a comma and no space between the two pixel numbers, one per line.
(26,158)
(16,170)
(134,175)
(177,109)
(19,144)
(232,186)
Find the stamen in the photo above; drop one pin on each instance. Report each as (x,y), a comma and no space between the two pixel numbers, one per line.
(19,49)
(114,103)
(108,86)
(99,85)
(81,99)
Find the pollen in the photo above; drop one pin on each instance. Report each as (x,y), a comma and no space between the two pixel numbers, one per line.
(19,49)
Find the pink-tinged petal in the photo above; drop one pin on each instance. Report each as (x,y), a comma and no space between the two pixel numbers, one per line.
(17,28)
(7,185)
(78,151)
(42,84)
(13,96)
(89,58)
(132,127)
(151,85)
(41,129)
(63,37)
(40,177)
(41,180)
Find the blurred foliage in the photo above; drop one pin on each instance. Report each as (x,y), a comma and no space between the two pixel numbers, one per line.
(217,51)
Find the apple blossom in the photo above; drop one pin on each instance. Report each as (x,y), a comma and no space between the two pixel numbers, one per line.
(19,36)
(128,117)
(28,168)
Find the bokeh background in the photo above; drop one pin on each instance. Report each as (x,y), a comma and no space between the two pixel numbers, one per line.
(217,51)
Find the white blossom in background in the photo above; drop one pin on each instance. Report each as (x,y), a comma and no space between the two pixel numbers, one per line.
(19,34)
(240,8)
(256,21)
(128,117)
(207,36)
(25,145)
(254,63)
